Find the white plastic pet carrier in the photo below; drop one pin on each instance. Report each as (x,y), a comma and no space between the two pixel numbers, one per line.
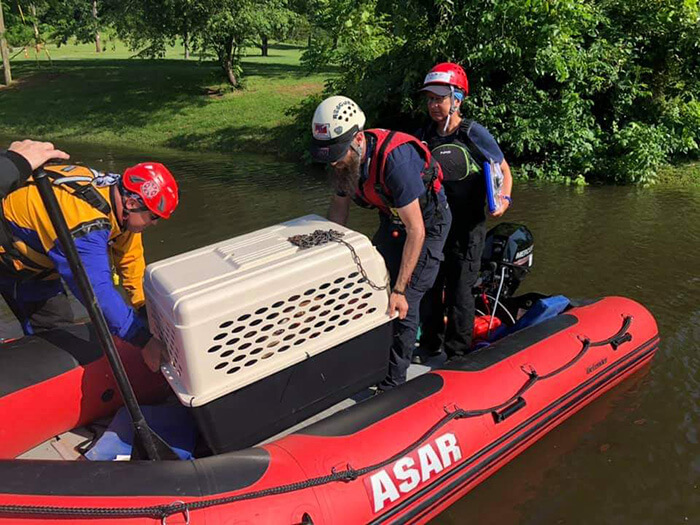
(242,310)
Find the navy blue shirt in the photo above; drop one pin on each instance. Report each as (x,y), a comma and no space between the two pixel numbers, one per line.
(402,173)
(485,142)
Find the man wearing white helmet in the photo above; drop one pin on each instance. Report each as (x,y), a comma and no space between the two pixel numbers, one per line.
(396,174)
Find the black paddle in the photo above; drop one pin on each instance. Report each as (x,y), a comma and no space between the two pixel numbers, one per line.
(147,444)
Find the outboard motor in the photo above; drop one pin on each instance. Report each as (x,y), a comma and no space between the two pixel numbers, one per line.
(507,257)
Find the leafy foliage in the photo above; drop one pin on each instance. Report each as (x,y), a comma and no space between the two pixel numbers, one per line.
(222,27)
(73,19)
(606,90)
(20,20)
(38,22)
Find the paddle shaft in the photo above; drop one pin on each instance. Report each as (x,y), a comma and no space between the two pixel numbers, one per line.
(142,432)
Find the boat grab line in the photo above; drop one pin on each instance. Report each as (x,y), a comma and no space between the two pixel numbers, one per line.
(349,474)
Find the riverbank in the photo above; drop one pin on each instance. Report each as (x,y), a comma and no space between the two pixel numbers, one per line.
(685,175)
(111,98)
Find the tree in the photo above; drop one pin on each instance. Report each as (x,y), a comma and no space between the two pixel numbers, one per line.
(3,50)
(221,27)
(273,20)
(605,89)
(78,19)
(152,25)
(96,25)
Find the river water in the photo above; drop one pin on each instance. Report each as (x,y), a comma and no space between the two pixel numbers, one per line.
(632,457)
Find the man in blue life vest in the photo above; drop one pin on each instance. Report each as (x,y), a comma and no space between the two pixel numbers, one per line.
(106,214)
(394,173)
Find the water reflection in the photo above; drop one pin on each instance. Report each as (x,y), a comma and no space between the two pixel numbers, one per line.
(631,458)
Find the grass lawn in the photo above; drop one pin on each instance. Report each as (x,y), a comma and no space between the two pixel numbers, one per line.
(112,98)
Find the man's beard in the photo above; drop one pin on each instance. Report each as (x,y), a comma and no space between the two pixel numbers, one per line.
(347,177)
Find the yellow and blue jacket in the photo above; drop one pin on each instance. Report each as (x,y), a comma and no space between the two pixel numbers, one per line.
(37,255)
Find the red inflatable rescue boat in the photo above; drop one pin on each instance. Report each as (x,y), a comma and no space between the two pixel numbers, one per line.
(403,456)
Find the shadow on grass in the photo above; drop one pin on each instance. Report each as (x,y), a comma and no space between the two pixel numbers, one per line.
(121,96)
(100,95)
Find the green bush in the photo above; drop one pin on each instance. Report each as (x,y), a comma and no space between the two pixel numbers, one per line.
(605,90)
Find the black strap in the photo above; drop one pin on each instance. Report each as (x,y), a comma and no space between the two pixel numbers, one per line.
(474,150)
(430,173)
(5,232)
(87,192)
(379,183)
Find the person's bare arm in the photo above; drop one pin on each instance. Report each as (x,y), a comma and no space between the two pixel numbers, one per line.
(412,219)
(154,353)
(339,210)
(507,189)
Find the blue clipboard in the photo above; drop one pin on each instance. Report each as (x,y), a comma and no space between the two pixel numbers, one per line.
(494,182)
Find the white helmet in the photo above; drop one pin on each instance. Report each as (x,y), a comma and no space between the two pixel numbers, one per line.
(336,122)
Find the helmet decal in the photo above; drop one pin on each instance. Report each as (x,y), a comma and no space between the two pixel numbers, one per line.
(150,189)
(322,131)
(438,76)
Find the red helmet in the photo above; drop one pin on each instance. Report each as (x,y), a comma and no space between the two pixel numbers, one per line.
(446,74)
(155,185)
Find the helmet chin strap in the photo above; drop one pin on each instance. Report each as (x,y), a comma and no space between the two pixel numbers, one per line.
(357,149)
(124,195)
(125,213)
(453,108)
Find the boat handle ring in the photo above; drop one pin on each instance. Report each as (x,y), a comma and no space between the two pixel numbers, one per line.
(185,511)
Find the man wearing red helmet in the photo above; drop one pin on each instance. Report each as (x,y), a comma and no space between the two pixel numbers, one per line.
(462,146)
(106,214)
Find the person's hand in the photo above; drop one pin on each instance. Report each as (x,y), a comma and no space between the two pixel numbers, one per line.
(37,153)
(153,353)
(398,304)
(505,204)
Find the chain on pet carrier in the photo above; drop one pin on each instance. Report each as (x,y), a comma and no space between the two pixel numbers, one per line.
(319,237)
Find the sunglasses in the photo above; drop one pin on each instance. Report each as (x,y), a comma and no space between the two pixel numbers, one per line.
(435,99)
(151,215)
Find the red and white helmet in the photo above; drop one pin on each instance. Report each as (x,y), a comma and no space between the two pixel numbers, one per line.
(155,186)
(444,78)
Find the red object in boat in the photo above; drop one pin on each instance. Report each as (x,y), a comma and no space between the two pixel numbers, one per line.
(403,456)
(481,327)
(46,390)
